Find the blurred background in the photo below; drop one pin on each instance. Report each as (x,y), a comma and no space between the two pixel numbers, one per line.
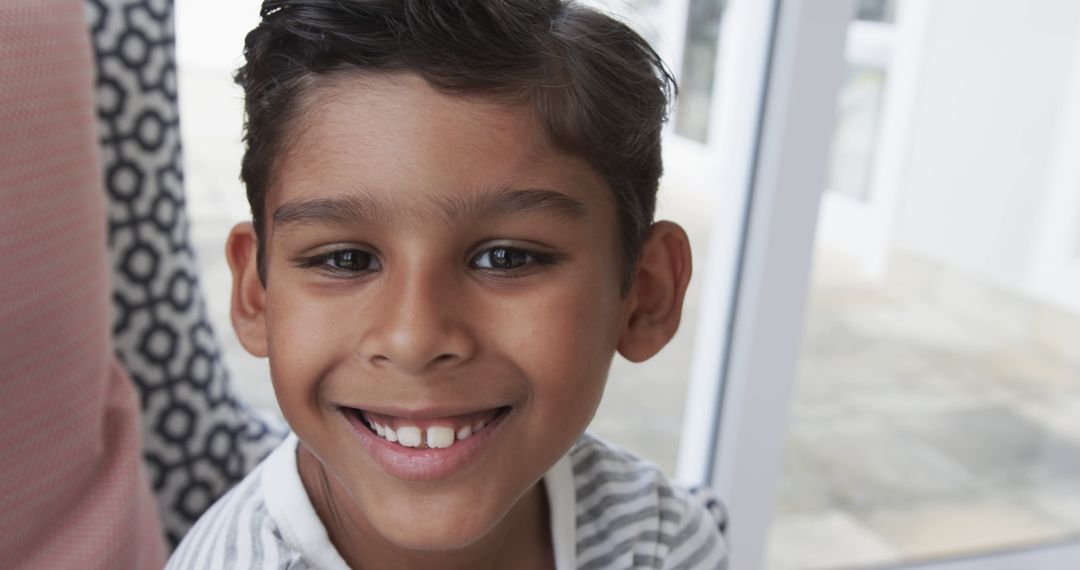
(934,409)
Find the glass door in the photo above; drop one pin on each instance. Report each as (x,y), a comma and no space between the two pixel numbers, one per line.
(922,415)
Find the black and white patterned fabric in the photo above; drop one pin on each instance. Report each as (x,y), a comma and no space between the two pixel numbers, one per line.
(199,439)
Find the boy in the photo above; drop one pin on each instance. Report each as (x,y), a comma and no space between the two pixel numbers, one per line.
(451,236)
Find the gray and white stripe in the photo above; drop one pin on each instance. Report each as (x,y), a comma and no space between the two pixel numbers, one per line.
(237,532)
(631,516)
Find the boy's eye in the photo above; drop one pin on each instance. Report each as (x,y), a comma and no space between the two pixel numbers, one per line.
(346,260)
(352,260)
(502,258)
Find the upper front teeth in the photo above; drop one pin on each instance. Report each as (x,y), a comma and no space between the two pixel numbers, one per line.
(437,437)
(409,436)
(440,437)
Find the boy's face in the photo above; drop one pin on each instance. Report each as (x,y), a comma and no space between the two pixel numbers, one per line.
(433,263)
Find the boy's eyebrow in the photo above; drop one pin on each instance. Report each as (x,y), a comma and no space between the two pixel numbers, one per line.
(334,210)
(362,207)
(514,200)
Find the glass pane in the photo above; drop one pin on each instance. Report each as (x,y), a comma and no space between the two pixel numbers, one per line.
(876,10)
(853,146)
(936,408)
(643,403)
(698,68)
(642,15)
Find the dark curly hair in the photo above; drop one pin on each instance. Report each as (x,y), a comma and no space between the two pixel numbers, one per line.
(598,89)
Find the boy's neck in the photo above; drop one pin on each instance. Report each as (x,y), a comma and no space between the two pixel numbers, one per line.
(521,540)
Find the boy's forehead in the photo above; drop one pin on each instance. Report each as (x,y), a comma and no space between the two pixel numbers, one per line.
(381,145)
(387,112)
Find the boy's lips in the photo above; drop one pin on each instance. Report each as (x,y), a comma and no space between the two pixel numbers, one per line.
(424,446)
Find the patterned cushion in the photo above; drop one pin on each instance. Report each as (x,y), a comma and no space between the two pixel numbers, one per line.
(199,438)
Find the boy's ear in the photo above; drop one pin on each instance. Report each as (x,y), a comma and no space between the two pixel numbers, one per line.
(248,293)
(657,292)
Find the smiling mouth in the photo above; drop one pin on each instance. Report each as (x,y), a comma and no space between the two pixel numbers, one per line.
(434,433)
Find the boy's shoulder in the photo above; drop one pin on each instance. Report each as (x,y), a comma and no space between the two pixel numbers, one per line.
(265,521)
(629,514)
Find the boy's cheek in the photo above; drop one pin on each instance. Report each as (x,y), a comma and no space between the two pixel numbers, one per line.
(567,359)
(302,342)
(299,320)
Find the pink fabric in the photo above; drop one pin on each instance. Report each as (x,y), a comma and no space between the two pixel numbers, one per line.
(72,490)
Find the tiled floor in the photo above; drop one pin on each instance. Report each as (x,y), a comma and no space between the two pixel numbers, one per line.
(932,415)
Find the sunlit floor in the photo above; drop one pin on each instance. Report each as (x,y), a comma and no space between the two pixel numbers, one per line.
(931,416)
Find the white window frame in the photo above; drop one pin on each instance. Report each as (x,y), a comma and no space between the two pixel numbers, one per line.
(743,63)
(802,42)
(863,228)
(1055,276)
(1048,557)
(684,156)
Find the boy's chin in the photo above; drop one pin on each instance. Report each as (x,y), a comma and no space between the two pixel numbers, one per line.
(448,522)
(426,539)
(434,531)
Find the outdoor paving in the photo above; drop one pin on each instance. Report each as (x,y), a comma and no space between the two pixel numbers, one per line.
(932,415)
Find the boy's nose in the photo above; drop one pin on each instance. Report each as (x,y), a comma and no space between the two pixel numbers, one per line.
(418,327)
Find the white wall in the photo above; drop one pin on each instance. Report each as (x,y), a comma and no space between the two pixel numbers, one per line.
(209,44)
(994,78)
(210,33)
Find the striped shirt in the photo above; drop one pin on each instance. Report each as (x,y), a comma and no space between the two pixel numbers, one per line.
(608,508)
